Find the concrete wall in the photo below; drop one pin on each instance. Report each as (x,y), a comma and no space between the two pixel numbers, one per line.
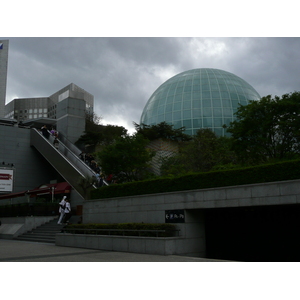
(151,208)
(30,168)
(146,245)
(13,227)
(71,118)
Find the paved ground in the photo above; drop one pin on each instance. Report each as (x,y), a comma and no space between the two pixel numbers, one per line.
(23,251)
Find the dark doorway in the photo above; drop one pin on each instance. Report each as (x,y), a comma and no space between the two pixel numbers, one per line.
(260,233)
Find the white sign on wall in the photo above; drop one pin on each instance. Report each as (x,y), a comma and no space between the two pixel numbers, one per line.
(6,180)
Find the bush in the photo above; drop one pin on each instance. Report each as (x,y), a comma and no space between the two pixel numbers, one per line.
(288,170)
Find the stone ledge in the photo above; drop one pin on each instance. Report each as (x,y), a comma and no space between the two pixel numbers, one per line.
(143,245)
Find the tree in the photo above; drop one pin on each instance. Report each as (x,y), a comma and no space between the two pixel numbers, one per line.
(267,129)
(162,130)
(202,153)
(127,158)
(97,134)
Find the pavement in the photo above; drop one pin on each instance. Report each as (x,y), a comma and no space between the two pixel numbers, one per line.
(23,251)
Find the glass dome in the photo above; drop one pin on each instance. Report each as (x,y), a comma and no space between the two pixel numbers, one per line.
(198,98)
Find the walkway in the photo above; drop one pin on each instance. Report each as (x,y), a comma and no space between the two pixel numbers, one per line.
(22,251)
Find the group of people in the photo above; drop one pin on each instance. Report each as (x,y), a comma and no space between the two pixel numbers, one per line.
(64,211)
(53,132)
(90,161)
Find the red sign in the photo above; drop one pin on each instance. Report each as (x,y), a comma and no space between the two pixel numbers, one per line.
(5,177)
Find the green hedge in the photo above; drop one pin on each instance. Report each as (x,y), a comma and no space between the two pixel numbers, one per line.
(288,170)
(88,229)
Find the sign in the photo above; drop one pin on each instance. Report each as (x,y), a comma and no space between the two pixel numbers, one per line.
(6,180)
(174,216)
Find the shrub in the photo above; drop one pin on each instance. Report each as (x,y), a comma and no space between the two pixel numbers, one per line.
(287,170)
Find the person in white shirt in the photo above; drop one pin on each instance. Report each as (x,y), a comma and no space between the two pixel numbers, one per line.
(62,207)
(67,211)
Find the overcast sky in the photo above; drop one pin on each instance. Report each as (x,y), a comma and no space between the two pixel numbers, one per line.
(122,73)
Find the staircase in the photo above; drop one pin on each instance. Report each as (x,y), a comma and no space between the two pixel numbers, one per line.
(42,234)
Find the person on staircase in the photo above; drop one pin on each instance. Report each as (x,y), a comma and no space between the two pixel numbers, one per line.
(62,206)
(67,212)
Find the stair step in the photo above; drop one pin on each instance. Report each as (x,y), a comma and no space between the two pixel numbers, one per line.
(44,233)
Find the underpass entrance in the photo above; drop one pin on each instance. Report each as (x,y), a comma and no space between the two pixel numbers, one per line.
(258,233)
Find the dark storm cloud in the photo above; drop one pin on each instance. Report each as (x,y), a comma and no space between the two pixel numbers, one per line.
(122,73)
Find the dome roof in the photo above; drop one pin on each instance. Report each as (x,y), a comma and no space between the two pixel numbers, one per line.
(198,98)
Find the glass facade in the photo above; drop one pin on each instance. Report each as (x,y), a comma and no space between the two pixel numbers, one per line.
(199,98)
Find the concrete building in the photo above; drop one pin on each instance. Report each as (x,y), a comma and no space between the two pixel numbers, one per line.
(66,108)
(3,74)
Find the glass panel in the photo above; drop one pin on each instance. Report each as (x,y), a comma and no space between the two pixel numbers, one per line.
(168,117)
(217,112)
(169,107)
(161,110)
(207,112)
(177,105)
(187,114)
(205,94)
(235,104)
(177,124)
(205,87)
(207,122)
(215,94)
(197,113)
(196,104)
(187,96)
(160,118)
(214,87)
(227,112)
(177,115)
(226,103)
(187,123)
(206,103)
(218,122)
(178,98)
(187,89)
(179,90)
(196,88)
(225,95)
(196,96)
(187,104)
(197,123)
(216,102)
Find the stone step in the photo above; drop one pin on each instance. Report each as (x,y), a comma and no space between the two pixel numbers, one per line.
(44,233)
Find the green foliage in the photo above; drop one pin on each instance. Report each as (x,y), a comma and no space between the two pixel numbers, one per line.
(97,134)
(267,129)
(127,158)
(201,154)
(287,170)
(162,130)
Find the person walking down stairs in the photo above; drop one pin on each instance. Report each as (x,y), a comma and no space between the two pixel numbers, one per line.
(62,206)
(67,211)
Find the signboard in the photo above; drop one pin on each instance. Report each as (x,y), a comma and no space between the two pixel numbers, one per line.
(174,216)
(6,180)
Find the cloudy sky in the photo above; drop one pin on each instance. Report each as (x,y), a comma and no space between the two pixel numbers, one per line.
(123,72)
(127,49)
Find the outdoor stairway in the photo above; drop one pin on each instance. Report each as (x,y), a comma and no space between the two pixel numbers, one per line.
(42,234)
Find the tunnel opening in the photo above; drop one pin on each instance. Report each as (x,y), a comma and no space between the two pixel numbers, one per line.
(253,234)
